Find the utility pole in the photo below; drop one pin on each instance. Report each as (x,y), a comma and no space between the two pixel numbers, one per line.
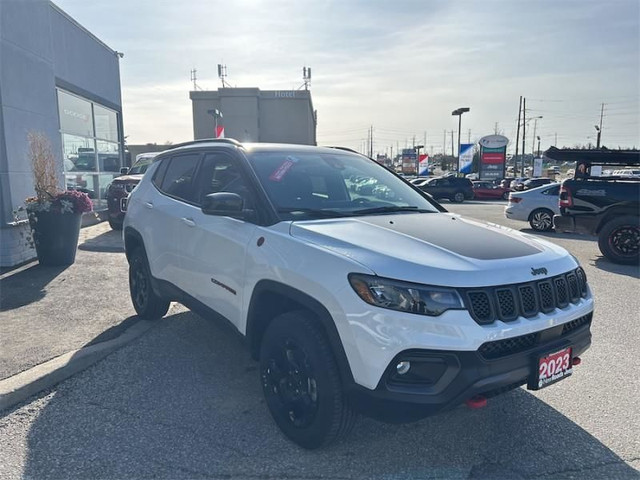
(371,143)
(469,138)
(533,138)
(555,142)
(444,144)
(515,157)
(600,128)
(524,130)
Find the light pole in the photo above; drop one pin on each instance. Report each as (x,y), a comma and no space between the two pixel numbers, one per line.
(459,112)
(216,114)
(538,145)
(598,137)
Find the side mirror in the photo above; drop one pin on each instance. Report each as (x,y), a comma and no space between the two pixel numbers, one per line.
(124,171)
(226,204)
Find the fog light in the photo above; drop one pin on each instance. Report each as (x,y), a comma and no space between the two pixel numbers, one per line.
(403,367)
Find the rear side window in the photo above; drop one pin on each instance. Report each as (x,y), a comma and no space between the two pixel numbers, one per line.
(178,178)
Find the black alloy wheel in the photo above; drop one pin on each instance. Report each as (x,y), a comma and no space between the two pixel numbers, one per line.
(619,240)
(147,304)
(301,381)
(290,379)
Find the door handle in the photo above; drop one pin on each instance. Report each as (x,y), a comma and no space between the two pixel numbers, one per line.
(148,204)
(188,221)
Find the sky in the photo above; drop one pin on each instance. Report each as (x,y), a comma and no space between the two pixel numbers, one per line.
(400,67)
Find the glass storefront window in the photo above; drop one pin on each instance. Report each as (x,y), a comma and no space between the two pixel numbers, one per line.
(91,149)
(75,115)
(78,153)
(109,156)
(106,123)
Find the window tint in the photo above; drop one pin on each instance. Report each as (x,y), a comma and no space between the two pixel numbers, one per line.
(221,173)
(159,175)
(177,180)
(552,191)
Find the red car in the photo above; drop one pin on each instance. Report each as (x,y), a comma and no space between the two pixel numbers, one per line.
(487,190)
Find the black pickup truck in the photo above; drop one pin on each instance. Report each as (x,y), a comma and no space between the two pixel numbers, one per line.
(599,204)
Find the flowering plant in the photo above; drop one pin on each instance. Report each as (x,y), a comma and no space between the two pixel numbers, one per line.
(69,201)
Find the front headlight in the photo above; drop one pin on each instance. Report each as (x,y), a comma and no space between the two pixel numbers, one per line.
(405,296)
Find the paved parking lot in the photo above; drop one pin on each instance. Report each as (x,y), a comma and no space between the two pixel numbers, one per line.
(184,401)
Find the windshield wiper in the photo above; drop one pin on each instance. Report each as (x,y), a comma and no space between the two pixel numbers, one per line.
(391,209)
(314,211)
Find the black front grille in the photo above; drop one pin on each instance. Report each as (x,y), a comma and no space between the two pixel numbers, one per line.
(508,302)
(510,346)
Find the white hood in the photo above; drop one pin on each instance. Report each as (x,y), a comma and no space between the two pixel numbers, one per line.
(437,248)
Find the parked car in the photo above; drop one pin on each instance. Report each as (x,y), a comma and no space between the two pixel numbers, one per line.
(506,182)
(604,206)
(537,182)
(472,176)
(120,188)
(454,188)
(419,181)
(517,184)
(536,206)
(395,309)
(488,190)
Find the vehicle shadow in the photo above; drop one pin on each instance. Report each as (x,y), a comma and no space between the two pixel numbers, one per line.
(27,286)
(603,263)
(185,401)
(555,234)
(110,241)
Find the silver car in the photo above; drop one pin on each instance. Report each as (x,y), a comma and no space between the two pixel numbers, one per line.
(536,206)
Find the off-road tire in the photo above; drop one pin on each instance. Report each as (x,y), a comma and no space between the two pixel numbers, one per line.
(457,197)
(619,240)
(541,220)
(301,382)
(147,304)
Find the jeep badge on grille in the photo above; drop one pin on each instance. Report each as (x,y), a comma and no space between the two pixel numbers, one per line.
(539,271)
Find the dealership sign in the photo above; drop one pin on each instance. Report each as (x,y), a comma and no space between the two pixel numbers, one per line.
(494,141)
(493,153)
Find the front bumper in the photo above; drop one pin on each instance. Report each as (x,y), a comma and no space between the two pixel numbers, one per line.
(444,379)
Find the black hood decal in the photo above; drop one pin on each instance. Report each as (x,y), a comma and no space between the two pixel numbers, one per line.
(456,235)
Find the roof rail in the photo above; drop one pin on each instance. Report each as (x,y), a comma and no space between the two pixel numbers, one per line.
(230,141)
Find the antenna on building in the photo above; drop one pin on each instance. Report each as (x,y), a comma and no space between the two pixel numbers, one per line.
(194,79)
(306,77)
(222,74)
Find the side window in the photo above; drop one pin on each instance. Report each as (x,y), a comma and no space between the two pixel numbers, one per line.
(177,181)
(160,171)
(221,173)
(552,191)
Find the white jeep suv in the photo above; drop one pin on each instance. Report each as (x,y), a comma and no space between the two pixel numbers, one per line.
(392,308)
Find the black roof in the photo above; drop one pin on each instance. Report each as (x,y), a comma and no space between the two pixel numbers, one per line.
(602,156)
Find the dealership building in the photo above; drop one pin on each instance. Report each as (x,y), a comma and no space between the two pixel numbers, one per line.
(254,115)
(58,79)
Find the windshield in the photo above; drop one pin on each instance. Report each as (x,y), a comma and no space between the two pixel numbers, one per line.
(320,185)
(140,166)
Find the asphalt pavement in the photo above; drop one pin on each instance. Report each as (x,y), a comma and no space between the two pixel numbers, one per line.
(182,398)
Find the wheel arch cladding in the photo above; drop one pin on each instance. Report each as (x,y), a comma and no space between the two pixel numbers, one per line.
(270,299)
(132,240)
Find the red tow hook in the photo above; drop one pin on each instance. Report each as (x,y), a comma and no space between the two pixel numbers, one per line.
(576,361)
(476,402)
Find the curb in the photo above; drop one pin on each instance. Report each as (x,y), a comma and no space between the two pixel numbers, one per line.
(18,388)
